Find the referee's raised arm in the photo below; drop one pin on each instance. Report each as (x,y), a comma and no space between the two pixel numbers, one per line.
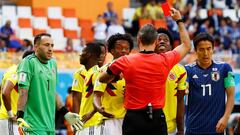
(185,45)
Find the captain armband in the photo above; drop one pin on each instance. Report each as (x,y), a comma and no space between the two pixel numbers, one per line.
(229,80)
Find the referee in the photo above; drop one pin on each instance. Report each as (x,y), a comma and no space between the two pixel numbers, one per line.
(145,74)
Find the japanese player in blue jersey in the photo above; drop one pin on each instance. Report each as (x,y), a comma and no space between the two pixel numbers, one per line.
(211,90)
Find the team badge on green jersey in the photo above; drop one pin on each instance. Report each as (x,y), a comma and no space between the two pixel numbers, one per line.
(22,77)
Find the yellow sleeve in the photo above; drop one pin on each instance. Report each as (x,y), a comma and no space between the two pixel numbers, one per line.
(78,82)
(13,78)
(11,75)
(182,78)
(99,86)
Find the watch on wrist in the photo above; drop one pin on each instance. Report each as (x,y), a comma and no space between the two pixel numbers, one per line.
(178,21)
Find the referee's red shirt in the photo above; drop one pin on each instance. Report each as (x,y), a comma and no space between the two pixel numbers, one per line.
(145,76)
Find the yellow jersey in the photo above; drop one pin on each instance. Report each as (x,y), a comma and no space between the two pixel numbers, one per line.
(113,96)
(87,97)
(176,81)
(10,75)
(78,79)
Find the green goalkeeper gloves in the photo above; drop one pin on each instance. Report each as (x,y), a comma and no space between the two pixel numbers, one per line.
(74,120)
(22,123)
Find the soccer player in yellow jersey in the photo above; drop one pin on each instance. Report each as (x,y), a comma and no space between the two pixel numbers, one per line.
(83,85)
(175,87)
(9,100)
(108,98)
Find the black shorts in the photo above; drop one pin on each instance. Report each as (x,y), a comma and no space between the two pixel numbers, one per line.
(137,122)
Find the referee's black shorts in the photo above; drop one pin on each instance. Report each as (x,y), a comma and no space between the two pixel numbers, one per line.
(137,122)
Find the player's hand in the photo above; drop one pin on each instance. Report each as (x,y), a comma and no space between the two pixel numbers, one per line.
(104,113)
(22,123)
(88,116)
(221,125)
(74,120)
(176,15)
(180,133)
(14,118)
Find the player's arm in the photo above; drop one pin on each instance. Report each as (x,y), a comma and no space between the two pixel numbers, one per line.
(97,102)
(185,47)
(107,77)
(77,96)
(6,96)
(180,112)
(180,102)
(114,70)
(22,100)
(230,90)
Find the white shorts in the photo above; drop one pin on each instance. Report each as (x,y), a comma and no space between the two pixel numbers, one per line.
(112,127)
(93,130)
(232,121)
(173,133)
(8,127)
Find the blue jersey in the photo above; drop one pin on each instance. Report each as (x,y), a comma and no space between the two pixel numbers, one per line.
(206,99)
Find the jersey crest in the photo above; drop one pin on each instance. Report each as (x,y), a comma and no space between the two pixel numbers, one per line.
(172,76)
(215,76)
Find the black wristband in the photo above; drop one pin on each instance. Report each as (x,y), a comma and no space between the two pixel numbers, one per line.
(63,110)
(116,78)
(20,114)
(178,21)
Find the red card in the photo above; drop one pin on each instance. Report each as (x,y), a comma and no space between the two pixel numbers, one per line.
(166,9)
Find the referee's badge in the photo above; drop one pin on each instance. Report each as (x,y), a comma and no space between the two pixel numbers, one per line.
(22,77)
(172,76)
(215,76)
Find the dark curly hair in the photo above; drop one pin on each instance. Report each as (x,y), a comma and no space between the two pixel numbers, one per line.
(168,33)
(114,38)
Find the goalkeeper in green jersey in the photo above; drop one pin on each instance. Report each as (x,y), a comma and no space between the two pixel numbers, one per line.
(37,76)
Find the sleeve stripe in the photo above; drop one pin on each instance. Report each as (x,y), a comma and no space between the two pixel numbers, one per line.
(181,76)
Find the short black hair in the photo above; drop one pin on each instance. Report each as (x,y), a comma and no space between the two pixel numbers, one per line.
(201,37)
(168,33)
(147,34)
(26,53)
(114,38)
(38,37)
(101,44)
(94,49)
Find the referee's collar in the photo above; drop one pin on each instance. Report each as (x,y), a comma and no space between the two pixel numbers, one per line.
(146,52)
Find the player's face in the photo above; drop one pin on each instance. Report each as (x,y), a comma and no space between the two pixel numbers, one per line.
(163,43)
(44,49)
(102,56)
(204,53)
(84,57)
(121,48)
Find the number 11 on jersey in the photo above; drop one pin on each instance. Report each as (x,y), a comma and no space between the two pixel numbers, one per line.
(205,88)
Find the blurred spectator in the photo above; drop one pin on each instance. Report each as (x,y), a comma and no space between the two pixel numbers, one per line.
(28,45)
(3,47)
(205,26)
(140,13)
(235,31)
(80,47)
(69,45)
(115,28)
(5,32)
(154,10)
(219,3)
(110,14)
(100,30)
(224,29)
(236,48)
